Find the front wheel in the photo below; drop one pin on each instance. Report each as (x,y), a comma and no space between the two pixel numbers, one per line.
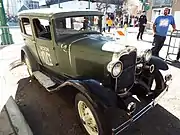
(91,119)
(157,84)
(157,81)
(151,85)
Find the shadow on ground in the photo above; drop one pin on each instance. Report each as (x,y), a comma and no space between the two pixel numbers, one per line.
(53,114)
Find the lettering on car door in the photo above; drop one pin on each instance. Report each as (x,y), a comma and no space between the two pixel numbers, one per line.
(45,55)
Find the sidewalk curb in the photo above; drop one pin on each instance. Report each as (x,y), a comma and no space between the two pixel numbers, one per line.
(17,119)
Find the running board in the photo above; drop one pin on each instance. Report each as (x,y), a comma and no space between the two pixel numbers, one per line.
(45,81)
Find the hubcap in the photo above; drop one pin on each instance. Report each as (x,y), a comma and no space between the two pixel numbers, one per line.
(28,66)
(153,86)
(87,118)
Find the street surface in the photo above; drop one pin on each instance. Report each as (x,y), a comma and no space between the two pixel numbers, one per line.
(53,114)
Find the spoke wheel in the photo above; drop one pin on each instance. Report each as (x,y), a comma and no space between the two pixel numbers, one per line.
(29,68)
(87,118)
(91,117)
(153,86)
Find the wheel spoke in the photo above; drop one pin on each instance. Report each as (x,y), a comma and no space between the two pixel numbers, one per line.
(88,119)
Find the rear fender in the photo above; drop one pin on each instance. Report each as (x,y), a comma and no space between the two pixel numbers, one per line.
(158,63)
(95,92)
(26,52)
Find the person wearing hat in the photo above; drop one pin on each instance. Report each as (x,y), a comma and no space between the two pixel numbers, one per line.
(142,25)
(160,29)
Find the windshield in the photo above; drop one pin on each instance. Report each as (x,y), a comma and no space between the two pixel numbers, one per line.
(74,25)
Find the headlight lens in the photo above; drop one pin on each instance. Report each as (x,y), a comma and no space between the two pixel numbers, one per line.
(115,68)
(147,55)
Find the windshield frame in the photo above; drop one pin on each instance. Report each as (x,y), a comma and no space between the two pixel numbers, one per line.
(81,32)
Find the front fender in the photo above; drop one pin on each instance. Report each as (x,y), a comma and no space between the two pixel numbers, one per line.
(106,96)
(159,63)
(95,92)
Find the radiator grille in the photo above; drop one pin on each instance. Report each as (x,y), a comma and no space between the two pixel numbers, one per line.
(126,79)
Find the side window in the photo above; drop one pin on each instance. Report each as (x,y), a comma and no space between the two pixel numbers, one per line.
(42,29)
(27,26)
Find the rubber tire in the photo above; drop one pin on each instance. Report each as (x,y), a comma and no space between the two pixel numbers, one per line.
(159,82)
(103,128)
(25,61)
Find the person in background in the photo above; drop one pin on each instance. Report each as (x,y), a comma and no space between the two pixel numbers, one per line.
(160,29)
(133,21)
(142,25)
(126,20)
(121,21)
(104,23)
(130,21)
(109,23)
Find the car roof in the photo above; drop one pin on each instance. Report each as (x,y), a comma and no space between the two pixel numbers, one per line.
(49,12)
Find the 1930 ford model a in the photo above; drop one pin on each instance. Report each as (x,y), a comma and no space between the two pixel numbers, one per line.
(67,48)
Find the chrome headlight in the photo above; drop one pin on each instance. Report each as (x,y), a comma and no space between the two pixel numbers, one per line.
(147,55)
(115,68)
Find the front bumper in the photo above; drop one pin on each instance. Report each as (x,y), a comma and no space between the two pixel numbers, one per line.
(152,104)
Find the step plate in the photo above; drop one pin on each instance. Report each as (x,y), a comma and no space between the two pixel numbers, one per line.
(43,79)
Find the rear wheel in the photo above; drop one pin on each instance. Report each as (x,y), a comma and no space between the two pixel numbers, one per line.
(29,68)
(91,119)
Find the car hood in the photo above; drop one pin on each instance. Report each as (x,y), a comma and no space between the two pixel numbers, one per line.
(98,42)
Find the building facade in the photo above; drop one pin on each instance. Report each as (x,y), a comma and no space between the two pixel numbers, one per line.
(134,7)
(13,6)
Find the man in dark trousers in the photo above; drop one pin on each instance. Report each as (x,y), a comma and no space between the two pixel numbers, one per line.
(160,29)
(142,24)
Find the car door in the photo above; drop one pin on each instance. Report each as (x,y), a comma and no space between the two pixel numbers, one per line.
(44,42)
(62,46)
(28,37)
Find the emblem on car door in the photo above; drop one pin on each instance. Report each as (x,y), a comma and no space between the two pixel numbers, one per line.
(45,55)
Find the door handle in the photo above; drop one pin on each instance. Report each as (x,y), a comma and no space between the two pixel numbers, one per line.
(63,46)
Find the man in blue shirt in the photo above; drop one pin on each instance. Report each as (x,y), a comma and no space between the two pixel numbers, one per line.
(160,29)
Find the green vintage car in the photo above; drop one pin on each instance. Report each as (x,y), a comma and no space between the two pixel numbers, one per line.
(67,48)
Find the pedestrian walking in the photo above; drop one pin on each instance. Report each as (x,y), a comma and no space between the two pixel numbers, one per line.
(121,20)
(104,23)
(160,29)
(142,25)
(110,23)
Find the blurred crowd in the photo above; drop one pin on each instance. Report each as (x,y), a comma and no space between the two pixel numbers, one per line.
(110,21)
